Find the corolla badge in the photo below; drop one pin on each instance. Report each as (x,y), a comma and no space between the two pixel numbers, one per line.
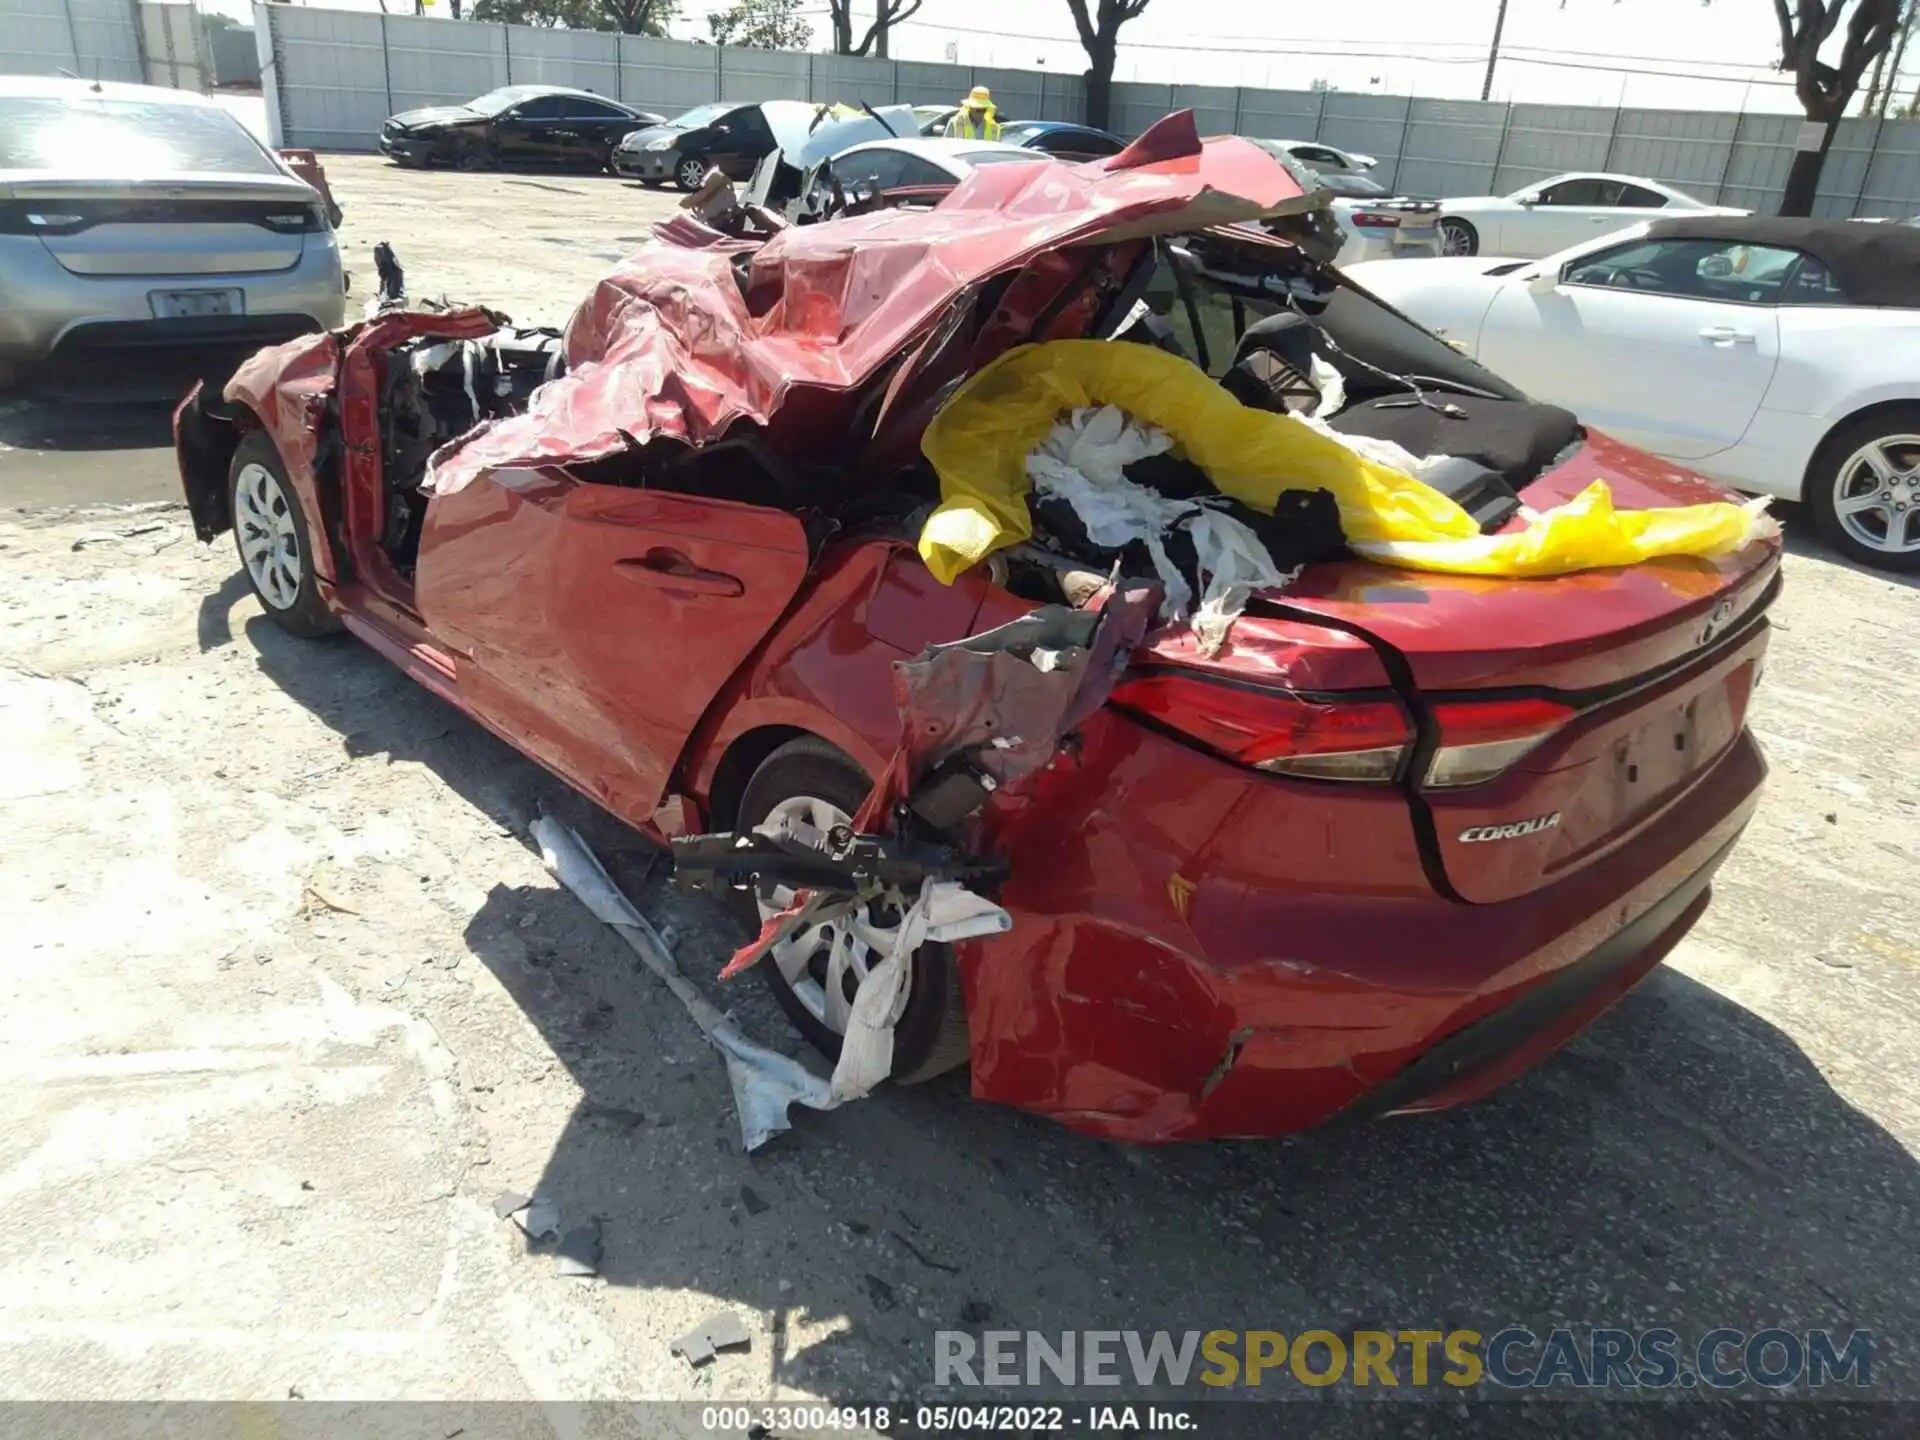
(1476,833)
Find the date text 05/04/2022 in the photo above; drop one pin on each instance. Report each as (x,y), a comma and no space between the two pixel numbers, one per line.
(979,1419)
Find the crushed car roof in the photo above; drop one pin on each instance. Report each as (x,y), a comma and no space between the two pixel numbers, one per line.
(673,345)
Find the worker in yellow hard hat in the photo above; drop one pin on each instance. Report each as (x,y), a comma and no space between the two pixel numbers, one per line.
(975,119)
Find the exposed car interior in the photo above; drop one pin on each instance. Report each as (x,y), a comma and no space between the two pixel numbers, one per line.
(1253,310)
(432,391)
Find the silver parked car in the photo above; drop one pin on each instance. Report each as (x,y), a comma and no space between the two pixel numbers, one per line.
(135,215)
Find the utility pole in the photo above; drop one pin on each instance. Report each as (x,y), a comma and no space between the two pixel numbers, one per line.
(1893,64)
(1493,50)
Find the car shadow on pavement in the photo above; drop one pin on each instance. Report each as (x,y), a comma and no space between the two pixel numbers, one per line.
(106,400)
(1683,1163)
(1802,537)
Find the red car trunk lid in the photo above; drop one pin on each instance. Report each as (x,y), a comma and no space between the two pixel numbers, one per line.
(1638,678)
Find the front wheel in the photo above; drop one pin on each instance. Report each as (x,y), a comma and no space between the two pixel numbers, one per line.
(271,534)
(474,160)
(802,791)
(1864,487)
(690,173)
(1457,237)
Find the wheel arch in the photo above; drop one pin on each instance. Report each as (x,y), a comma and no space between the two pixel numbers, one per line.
(745,753)
(1856,410)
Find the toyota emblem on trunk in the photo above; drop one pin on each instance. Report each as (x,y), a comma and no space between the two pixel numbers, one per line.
(1718,620)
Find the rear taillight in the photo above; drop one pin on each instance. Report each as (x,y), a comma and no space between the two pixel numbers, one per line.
(1319,738)
(1373,220)
(1480,739)
(1362,738)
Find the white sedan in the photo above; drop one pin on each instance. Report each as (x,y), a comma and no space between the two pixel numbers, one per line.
(1552,214)
(1328,159)
(930,163)
(1777,356)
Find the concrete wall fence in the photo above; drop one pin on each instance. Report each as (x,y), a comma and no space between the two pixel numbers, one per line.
(331,77)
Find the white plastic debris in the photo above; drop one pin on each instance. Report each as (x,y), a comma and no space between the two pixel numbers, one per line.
(1083,462)
(944,912)
(765,1083)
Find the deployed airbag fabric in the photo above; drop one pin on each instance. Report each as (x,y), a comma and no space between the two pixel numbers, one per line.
(980,442)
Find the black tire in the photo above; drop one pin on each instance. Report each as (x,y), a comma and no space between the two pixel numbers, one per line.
(931,1037)
(690,165)
(1452,229)
(11,372)
(474,159)
(1831,469)
(306,615)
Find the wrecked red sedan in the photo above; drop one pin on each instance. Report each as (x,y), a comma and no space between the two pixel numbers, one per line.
(1397,838)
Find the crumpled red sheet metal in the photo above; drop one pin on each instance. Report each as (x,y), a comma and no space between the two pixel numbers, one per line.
(668,346)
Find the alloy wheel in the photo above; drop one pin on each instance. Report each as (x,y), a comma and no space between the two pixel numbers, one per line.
(1876,495)
(824,964)
(1456,239)
(268,543)
(691,172)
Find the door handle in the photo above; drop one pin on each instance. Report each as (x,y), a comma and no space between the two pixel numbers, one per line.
(1724,335)
(673,570)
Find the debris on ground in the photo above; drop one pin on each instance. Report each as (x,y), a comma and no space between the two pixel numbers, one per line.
(751,1201)
(579,1251)
(720,1332)
(536,1215)
(881,1293)
(764,1081)
(314,892)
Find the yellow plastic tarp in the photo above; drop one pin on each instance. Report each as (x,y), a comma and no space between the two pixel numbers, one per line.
(979,442)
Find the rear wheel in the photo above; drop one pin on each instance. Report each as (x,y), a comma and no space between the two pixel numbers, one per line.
(690,172)
(1864,487)
(802,791)
(1457,237)
(271,535)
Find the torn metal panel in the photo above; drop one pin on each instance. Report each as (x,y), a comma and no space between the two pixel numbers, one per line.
(673,344)
(1004,698)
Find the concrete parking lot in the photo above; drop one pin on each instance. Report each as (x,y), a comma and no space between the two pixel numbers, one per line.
(287,1000)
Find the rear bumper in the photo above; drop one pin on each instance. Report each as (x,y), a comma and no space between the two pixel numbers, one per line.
(1197,953)
(1402,244)
(45,308)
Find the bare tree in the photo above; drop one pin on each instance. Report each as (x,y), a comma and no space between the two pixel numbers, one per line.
(1826,89)
(887,14)
(1100,35)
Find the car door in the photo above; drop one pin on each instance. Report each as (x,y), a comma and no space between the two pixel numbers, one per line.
(592,625)
(1318,157)
(590,129)
(1667,344)
(525,134)
(879,169)
(1564,214)
(740,139)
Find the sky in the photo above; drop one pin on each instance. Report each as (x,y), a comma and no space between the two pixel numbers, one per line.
(1715,56)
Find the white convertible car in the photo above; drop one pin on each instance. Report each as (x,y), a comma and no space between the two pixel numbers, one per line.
(1777,356)
(1552,214)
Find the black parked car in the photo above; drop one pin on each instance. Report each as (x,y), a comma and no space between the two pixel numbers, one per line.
(725,134)
(1063,141)
(515,125)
